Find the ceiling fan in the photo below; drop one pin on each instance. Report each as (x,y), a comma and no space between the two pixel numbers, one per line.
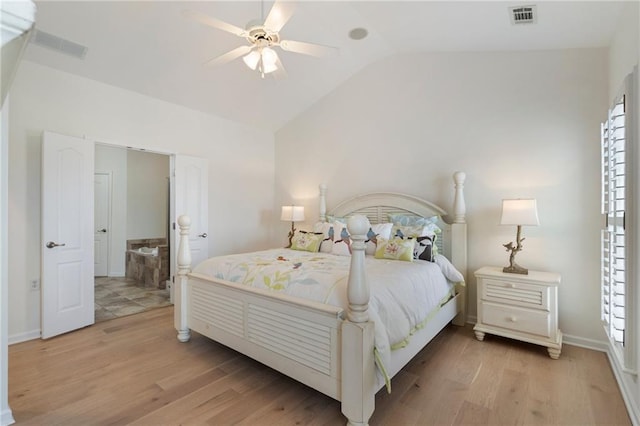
(263,35)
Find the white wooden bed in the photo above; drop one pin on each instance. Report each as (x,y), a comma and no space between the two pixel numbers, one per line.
(322,346)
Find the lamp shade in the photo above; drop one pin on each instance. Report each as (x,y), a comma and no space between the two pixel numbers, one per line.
(252,59)
(268,56)
(519,212)
(292,213)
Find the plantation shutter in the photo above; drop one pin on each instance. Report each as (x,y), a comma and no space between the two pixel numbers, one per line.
(613,236)
(620,270)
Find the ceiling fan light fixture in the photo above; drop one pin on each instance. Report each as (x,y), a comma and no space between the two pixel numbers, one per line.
(264,60)
(252,59)
(269,68)
(269,57)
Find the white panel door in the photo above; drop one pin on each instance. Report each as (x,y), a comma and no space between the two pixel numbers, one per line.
(102,219)
(67,233)
(192,199)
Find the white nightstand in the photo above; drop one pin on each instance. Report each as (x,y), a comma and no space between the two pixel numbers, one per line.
(523,307)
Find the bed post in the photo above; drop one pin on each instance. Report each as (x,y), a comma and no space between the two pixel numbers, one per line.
(459,242)
(180,291)
(358,367)
(323,203)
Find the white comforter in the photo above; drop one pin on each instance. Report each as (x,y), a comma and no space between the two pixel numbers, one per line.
(402,293)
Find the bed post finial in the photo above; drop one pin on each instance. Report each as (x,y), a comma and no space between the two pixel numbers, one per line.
(459,208)
(180,290)
(323,202)
(459,243)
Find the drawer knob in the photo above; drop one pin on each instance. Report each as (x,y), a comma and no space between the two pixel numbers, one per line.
(511,285)
(513,319)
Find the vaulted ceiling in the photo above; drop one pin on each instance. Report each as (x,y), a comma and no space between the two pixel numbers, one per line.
(149,46)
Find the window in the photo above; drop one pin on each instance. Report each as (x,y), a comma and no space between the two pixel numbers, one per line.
(617,269)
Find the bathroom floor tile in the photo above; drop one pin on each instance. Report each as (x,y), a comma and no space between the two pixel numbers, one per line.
(116,297)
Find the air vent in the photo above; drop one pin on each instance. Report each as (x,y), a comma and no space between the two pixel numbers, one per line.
(53,42)
(523,15)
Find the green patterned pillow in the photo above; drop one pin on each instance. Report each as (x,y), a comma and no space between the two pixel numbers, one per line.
(306,241)
(414,231)
(332,218)
(395,249)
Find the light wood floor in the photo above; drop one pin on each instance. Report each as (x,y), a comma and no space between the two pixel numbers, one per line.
(132,370)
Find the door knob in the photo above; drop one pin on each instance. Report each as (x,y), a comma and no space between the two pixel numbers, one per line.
(51,244)
(102,230)
(204,235)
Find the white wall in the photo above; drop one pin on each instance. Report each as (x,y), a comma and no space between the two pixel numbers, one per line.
(147,195)
(623,52)
(241,166)
(114,160)
(521,124)
(623,56)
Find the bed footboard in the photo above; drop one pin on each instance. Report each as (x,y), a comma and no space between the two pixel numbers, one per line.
(299,340)
(311,342)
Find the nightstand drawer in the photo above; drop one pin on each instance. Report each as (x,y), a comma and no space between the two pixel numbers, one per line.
(521,320)
(516,293)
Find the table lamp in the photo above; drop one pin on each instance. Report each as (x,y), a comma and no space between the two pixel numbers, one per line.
(292,214)
(518,212)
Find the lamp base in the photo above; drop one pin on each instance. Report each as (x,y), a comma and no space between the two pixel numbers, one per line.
(515,269)
(291,234)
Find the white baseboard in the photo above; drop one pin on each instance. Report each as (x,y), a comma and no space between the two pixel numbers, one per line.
(625,383)
(6,417)
(23,337)
(596,345)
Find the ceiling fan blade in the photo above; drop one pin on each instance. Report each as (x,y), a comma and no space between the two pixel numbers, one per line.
(279,15)
(312,49)
(229,56)
(213,22)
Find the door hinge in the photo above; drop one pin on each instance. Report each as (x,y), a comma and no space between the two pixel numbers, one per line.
(174,226)
(173,279)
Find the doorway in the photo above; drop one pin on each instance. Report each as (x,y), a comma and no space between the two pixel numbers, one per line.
(132,193)
(67,177)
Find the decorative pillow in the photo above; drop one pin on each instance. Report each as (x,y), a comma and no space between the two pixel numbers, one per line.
(341,240)
(423,248)
(408,220)
(306,241)
(407,231)
(379,230)
(327,230)
(395,249)
(411,231)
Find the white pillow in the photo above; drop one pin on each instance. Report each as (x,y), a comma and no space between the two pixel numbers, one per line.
(341,240)
(448,269)
(327,228)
